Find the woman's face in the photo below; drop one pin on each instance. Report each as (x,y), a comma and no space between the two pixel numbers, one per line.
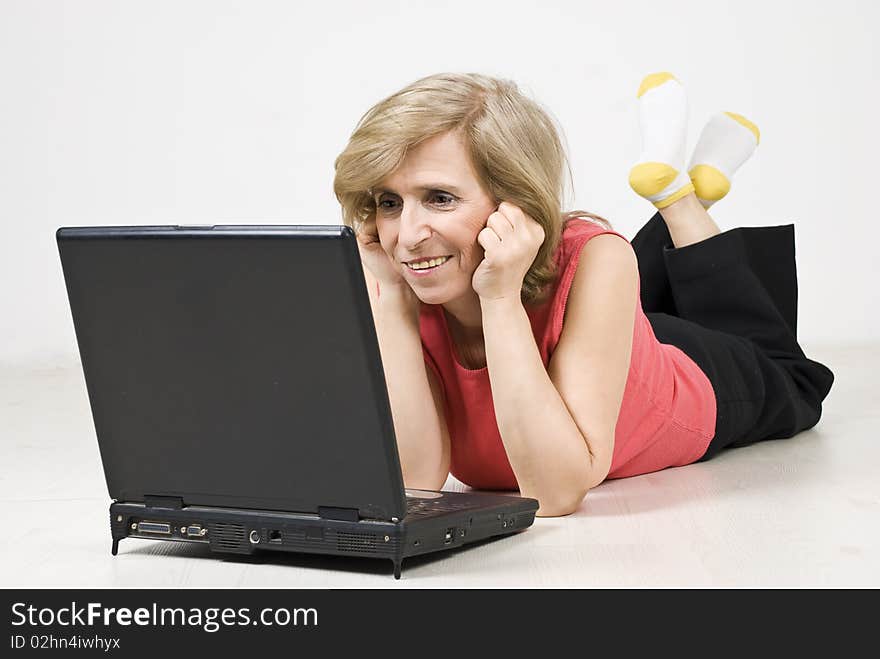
(434,206)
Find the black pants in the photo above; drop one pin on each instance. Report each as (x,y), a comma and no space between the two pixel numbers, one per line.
(730,303)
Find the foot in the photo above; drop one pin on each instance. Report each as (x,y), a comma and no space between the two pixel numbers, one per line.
(725,144)
(659,175)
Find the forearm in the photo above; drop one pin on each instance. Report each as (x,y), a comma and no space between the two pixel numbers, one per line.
(416,424)
(547,452)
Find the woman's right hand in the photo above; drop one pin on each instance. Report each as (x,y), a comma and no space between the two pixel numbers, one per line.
(379,267)
(374,257)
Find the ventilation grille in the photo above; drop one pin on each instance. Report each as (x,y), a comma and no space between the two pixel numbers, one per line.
(367,542)
(340,542)
(229,537)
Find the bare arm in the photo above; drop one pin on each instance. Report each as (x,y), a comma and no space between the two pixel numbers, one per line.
(557,424)
(413,391)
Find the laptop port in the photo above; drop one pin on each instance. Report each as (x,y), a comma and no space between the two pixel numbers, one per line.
(196,531)
(154,527)
(449,535)
(274,535)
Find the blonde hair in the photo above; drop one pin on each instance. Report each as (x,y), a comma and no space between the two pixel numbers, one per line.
(512,143)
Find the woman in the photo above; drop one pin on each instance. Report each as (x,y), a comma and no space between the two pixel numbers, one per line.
(526,348)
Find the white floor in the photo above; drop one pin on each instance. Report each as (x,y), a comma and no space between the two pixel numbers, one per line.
(790,513)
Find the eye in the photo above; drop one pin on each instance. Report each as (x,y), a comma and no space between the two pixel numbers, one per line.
(436,197)
(443,198)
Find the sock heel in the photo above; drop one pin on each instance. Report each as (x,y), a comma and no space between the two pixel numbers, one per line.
(649,178)
(709,183)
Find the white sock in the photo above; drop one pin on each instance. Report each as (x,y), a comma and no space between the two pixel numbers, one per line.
(659,175)
(727,141)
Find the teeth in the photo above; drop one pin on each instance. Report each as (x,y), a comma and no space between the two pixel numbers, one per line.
(428,264)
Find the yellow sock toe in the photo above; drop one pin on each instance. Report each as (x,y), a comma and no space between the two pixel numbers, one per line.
(748,124)
(654,80)
(709,183)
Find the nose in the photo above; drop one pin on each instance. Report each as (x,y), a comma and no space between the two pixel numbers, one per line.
(414,228)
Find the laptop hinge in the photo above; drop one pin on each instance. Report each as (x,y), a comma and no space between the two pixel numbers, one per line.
(343,514)
(153,501)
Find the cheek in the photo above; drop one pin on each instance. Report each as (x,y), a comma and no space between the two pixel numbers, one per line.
(387,235)
(471,250)
(471,254)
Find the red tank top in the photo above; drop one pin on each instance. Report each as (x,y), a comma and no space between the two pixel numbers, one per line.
(667,416)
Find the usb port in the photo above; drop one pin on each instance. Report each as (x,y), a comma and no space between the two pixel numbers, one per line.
(449,533)
(154,527)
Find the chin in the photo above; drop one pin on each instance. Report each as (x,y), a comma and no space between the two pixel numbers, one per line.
(436,296)
(431,297)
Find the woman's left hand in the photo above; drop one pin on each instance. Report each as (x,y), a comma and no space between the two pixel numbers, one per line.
(510,241)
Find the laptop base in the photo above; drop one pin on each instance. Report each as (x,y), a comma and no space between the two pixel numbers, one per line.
(244,531)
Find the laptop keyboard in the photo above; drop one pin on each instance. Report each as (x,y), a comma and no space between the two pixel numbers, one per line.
(416,507)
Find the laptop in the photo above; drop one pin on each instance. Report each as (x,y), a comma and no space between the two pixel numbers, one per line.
(237,391)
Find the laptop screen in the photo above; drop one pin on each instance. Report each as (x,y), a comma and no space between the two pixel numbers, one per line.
(233,366)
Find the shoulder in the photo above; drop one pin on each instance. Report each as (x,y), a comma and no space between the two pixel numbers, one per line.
(580,232)
(606,265)
(610,250)
(603,295)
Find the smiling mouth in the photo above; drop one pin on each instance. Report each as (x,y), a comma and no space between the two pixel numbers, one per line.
(434,266)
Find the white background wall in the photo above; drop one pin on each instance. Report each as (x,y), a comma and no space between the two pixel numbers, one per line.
(209,112)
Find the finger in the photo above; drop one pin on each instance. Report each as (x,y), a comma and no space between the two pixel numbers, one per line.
(501,224)
(512,213)
(488,239)
(368,229)
(367,237)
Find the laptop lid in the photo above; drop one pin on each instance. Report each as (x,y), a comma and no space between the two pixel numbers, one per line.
(234,366)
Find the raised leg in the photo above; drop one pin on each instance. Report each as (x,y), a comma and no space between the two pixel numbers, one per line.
(743,284)
(648,244)
(688,221)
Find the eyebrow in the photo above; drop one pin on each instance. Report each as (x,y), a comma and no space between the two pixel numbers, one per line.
(431,186)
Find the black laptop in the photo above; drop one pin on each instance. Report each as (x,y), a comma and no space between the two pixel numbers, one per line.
(239,400)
